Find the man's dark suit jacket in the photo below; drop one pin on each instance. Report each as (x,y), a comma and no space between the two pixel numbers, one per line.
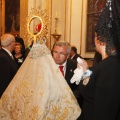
(71,65)
(8,69)
(76,56)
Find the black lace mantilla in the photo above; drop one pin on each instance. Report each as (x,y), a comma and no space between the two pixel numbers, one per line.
(108,27)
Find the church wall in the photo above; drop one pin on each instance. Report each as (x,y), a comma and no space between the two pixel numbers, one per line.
(71,23)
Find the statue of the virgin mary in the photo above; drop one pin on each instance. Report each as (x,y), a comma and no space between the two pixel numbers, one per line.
(39,91)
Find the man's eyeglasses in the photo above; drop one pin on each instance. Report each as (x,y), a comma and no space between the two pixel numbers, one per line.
(13,41)
(61,54)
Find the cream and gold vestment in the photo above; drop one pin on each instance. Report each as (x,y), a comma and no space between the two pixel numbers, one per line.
(39,91)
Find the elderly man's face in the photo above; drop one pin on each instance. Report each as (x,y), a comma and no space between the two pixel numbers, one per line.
(60,54)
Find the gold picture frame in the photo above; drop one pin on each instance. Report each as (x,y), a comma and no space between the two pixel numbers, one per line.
(11,16)
(87,34)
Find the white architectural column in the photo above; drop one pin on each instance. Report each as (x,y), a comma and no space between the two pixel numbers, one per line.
(69,25)
(73,23)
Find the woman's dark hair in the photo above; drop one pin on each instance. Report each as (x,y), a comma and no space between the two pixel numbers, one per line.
(21,41)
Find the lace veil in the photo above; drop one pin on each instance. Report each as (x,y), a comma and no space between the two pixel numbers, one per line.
(108,27)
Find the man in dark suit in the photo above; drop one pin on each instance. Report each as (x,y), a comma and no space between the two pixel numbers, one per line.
(73,53)
(8,67)
(61,52)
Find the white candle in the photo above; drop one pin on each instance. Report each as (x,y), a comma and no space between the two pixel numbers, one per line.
(56,14)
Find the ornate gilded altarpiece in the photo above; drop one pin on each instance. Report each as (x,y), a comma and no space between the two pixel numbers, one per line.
(94,8)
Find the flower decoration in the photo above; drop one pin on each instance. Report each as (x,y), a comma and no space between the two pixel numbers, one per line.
(20,60)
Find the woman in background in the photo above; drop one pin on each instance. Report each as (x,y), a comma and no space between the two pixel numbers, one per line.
(20,41)
(19,57)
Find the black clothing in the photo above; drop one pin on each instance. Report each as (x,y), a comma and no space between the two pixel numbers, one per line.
(71,65)
(102,93)
(19,61)
(76,56)
(8,69)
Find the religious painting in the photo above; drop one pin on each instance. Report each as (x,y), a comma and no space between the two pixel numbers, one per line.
(93,12)
(11,16)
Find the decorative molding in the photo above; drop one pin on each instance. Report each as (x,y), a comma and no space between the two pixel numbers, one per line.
(85,54)
(87,27)
(70,20)
(23,15)
(81,27)
(65,20)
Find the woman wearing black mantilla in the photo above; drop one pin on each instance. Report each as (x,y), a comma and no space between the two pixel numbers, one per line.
(101,89)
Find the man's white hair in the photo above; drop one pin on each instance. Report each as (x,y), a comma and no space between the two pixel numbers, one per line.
(7,39)
(63,43)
